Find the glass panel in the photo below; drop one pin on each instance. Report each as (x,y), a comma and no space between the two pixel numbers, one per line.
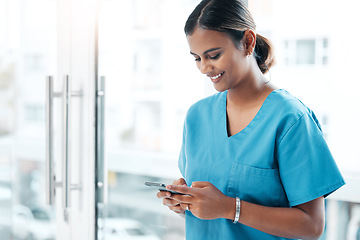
(27,55)
(151,80)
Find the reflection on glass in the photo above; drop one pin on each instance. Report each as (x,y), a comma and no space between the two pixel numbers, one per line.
(35,223)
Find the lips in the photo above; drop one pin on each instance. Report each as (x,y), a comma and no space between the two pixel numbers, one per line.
(216,77)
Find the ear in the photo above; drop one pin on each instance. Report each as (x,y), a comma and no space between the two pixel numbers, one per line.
(249,41)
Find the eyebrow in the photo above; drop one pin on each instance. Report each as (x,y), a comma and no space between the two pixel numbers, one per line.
(207,51)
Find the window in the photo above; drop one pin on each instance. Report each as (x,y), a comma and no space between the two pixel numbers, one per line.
(306,52)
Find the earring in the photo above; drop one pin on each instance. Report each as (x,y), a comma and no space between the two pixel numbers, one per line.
(249,53)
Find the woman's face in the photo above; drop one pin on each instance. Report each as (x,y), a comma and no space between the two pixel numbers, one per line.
(217,56)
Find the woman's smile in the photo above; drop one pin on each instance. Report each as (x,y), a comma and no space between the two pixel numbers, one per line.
(216,78)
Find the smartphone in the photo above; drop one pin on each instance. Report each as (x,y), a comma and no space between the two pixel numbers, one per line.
(161,187)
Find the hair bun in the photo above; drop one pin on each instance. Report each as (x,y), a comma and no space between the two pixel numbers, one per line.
(264,53)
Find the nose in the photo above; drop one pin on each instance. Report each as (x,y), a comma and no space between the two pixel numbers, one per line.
(205,67)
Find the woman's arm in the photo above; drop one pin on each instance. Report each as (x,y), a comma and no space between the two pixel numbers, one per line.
(205,201)
(305,221)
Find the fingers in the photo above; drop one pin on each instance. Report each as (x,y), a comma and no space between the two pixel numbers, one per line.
(170,202)
(185,206)
(177,209)
(187,199)
(163,194)
(175,202)
(178,198)
(189,190)
(181,189)
(174,205)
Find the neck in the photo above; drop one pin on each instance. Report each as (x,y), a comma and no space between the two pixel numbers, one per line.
(251,89)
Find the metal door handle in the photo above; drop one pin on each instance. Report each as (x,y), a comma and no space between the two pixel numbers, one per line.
(66,143)
(66,166)
(50,190)
(51,184)
(100,156)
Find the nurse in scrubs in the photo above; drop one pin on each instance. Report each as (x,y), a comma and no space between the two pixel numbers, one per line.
(254,161)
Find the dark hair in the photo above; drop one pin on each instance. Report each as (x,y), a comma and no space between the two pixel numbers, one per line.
(233,18)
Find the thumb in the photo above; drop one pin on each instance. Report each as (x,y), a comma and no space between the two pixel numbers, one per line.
(180,181)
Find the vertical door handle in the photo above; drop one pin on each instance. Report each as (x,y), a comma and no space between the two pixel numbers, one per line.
(50,189)
(100,155)
(66,166)
(51,184)
(66,143)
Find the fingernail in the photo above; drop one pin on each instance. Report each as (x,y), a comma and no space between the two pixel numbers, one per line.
(168,187)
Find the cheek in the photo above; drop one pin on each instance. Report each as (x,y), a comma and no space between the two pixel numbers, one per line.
(235,66)
(229,64)
(239,63)
(237,58)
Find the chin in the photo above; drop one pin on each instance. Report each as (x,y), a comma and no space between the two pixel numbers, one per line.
(219,88)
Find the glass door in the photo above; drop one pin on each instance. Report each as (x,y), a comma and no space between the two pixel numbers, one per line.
(150,82)
(28,39)
(71,134)
(47,134)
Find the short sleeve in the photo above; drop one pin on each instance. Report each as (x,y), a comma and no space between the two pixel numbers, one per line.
(307,168)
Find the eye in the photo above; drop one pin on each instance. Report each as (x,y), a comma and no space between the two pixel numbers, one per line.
(216,56)
(197,59)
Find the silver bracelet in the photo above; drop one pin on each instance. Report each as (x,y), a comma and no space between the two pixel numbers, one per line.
(237,212)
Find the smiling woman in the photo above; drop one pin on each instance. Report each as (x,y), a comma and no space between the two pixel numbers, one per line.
(254,161)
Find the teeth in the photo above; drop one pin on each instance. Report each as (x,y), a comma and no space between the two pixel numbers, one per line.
(217,76)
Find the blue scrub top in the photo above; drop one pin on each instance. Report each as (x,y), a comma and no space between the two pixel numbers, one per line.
(280,160)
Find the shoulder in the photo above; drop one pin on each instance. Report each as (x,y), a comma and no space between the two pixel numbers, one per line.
(288,106)
(286,103)
(289,110)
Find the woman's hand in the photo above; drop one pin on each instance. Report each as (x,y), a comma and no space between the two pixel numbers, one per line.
(204,200)
(168,201)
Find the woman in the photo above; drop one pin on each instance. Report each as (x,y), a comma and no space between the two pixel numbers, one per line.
(254,160)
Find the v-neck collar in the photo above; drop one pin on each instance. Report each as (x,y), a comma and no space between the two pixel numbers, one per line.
(252,122)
